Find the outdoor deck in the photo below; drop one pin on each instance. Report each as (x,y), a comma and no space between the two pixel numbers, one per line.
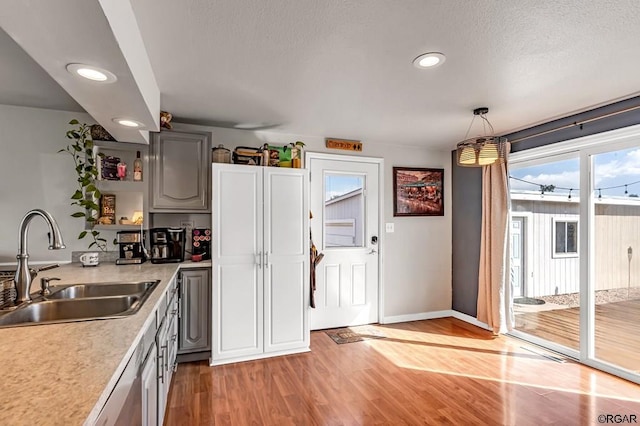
(617,330)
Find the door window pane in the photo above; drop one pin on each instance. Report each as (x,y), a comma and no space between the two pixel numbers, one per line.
(344,210)
(547,301)
(616,241)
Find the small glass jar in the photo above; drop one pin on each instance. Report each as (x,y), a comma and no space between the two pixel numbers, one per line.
(220,155)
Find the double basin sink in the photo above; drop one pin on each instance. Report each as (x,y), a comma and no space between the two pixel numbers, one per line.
(81,302)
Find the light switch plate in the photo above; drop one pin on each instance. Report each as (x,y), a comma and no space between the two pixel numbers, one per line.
(388,227)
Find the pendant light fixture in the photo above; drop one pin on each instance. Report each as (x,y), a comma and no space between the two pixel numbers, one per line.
(481,150)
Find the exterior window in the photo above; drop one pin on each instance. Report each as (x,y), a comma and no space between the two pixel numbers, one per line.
(566,238)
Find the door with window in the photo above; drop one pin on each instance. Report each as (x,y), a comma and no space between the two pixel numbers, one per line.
(583,200)
(517,249)
(345,229)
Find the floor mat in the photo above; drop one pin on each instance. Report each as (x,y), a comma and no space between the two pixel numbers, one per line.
(354,334)
(528,301)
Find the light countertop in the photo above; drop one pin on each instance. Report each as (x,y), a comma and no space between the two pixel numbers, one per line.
(63,373)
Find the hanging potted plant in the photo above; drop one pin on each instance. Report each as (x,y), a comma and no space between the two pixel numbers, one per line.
(86,194)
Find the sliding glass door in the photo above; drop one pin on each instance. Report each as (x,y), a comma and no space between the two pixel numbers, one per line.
(616,257)
(575,249)
(545,256)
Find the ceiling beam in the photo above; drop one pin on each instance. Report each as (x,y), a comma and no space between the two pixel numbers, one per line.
(92,32)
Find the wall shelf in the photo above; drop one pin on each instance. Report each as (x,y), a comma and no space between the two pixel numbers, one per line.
(130,195)
(116,227)
(120,186)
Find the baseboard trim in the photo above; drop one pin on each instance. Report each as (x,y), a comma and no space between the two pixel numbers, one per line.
(469,319)
(214,362)
(434,315)
(417,317)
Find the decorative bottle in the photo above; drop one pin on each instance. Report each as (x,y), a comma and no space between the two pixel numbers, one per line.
(137,168)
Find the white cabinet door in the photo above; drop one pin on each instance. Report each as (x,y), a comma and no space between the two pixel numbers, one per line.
(150,390)
(286,268)
(237,262)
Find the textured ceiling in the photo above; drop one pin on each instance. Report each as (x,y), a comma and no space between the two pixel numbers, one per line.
(342,68)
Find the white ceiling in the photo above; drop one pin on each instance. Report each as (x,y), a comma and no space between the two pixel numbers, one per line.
(342,68)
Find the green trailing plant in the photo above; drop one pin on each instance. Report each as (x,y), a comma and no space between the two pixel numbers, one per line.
(85,196)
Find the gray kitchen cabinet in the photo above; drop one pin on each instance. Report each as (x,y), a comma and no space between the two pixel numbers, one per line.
(167,344)
(180,166)
(195,318)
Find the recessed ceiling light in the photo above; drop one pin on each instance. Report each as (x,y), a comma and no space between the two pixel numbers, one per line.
(92,73)
(127,122)
(429,60)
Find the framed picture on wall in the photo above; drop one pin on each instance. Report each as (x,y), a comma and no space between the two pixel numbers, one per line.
(418,191)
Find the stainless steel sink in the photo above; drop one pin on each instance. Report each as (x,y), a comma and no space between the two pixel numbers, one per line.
(49,311)
(81,302)
(77,291)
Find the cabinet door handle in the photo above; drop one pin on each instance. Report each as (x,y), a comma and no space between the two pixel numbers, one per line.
(259,259)
(160,363)
(266,259)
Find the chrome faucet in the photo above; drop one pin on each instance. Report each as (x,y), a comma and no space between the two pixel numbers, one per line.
(23,276)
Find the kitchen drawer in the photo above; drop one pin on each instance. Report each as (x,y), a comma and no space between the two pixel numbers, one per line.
(167,299)
(148,339)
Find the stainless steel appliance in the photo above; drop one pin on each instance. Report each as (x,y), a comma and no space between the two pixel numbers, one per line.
(131,248)
(167,245)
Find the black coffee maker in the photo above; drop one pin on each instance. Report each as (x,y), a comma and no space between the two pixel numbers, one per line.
(131,249)
(167,245)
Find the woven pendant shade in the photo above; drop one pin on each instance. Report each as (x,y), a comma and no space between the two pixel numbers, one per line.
(481,150)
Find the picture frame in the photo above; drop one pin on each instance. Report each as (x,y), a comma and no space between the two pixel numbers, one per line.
(418,191)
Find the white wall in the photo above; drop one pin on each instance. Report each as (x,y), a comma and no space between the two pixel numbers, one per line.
(417,258)
(34,175)
(417,269)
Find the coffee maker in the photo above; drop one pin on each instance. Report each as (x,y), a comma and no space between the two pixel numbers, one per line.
(131,247)
(167,245)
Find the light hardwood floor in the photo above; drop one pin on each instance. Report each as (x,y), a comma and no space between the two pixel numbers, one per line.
(436,372)
(617,330)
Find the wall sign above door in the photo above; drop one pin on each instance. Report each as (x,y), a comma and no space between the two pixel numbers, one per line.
(344,144)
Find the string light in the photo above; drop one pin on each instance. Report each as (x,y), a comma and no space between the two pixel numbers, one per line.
(551,188)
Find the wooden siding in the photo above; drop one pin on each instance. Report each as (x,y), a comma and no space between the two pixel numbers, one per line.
(346,208)
(617,227)
(548,275)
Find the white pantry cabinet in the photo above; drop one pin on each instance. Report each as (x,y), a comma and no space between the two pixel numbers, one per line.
(260,255)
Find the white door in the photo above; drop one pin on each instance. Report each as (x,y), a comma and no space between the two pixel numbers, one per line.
(236,254)
(517,249)
(345,228)
(286,265)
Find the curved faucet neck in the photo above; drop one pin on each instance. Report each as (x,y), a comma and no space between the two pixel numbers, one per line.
(23,276)
(55,237)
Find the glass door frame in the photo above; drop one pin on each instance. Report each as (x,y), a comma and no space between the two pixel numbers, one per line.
(585,148)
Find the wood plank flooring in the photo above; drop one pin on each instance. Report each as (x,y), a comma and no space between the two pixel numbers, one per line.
(436,372)
(617,330)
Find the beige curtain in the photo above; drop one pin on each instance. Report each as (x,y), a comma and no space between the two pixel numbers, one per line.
(494,286)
